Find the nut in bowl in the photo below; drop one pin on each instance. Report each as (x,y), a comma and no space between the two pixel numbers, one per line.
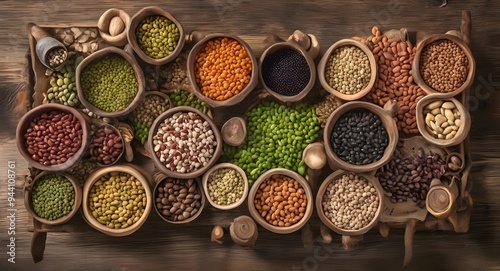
(281,201)
(225,186)
(348,70)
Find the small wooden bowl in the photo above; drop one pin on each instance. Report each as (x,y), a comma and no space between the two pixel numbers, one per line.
(416,65)
(132,37)
(319,203)
(276,229)
(76,205)
(104,23)
(160,166)
(462,132)
(92,179)
(117,132)
(206,178)
(310,62)
(139,75)
(389,124)
(24,124)
(193,54)
(373,69)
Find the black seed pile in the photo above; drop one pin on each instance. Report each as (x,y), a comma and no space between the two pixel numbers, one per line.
(359,137)
(286,72)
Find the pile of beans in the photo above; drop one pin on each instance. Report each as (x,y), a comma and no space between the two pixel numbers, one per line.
(178,200)
(145,114)
(276,137)
(281,200)
(225,186)
(173,73)
(53,197)
(184,142)
(83,169)
(109,83)
(442,119)
(63,84)
(57,57)
(286,72)
(183,98)
(53,137)
(350,202)
(406,178)
(117,200)
(348,70)
(395,82)
(444,66)
(326,107)
(223,68)
(359,137)
(157,36)
(106,145)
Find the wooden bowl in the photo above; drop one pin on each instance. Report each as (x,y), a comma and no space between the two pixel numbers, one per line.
(416,65)
(389,124)
(92,179)
(310,62)
(24,124)
(76,205)
(104,24)
(193,54)
(132,38)
(319,203)
(462,132)
(117,132)
(193,174)
(373,68)
(139,75)
(206,178)
(276,229)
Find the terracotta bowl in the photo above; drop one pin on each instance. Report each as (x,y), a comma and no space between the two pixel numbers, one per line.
(104,23)
(24,124)
(94,177)
(206,178)
(416,65)
(193,54)
(319,203)
(389,124)
(132,38)
(373,68)
(139,75)
(277,229)
(76,205)
(193,174)
(312,68)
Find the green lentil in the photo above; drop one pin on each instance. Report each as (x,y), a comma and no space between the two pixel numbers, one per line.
(225,186)
(183,98)
(157,36)
(52,197)
(109,83)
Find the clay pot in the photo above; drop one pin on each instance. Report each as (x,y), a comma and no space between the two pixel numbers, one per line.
(206,178)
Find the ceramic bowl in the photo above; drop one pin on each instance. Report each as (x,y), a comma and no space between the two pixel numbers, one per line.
(207,178)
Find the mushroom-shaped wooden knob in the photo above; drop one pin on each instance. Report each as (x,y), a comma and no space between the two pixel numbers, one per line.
(243,231)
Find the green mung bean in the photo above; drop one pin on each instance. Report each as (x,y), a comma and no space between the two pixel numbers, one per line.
(53,197)
(225,186)
(157,36)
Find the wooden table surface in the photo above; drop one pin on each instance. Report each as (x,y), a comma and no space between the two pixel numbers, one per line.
(160,246)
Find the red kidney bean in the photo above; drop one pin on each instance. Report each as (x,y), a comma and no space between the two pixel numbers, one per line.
(106,145)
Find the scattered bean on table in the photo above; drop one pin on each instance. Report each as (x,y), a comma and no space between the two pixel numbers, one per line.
(53,137)
(106,145)
(223,68)
(83,169)
(63,84)
(281,200)
(359,137)
(145,114)
(225,186)
(326,107)
(157,36)
(53,197)
(117,200)
(286,72)
(442,119)
(174,74)
(178,200)
(184,98)
(350,202)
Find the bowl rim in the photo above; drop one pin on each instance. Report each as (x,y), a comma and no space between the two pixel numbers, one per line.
(389,124)
(462,132)
(92,179)
(305,185)
(76,205)
(139,75)
(310,62)
(319,202)
(206,177)
(417,77)
(160,166)
(373,69)
(37,111)
(236,99)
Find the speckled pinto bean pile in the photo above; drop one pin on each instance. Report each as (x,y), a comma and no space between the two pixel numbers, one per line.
(178,200)
(184,142)
(281,200)
(350,202)
(395,82)
(53,137)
